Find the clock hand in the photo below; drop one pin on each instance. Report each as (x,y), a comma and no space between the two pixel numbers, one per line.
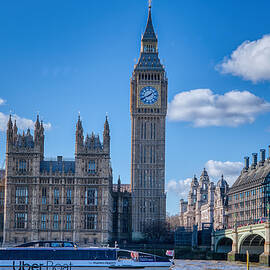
(148,95)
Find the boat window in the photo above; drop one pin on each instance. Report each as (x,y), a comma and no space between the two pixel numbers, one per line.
(111,254)
(57,254)
(66,244)
(55,244)
(146,257)
(122,255)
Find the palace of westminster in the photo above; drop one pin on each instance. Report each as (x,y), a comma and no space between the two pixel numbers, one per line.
(76,200)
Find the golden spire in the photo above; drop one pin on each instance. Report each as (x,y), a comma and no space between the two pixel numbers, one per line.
(150,3)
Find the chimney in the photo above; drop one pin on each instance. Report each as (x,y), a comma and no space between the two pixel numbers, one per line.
(262,151)
(255,158)
(246,163)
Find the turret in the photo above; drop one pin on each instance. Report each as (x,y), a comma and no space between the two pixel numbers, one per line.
(211,192)
(42,140)
(119,184)
(222,185)
(192,197)
(106,137)
(204,180)
(79,136)
(149,39)
(15,132)
(149,60)
(9,131)
(39,136)
(37,127)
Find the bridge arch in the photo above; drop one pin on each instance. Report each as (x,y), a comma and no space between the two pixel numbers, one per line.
(224,245)
(253,242)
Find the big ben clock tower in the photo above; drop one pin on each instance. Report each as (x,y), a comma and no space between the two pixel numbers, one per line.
(148,115)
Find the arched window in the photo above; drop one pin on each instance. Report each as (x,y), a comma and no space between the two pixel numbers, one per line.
(21,195)
(92,166)
(91,196)
(22,165)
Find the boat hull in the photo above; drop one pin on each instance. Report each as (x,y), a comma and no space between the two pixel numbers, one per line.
(90,268)
(79,265)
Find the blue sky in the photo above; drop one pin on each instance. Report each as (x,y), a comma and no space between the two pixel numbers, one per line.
(61,57)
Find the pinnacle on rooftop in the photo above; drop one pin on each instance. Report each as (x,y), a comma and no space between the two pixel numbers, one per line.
(149,34)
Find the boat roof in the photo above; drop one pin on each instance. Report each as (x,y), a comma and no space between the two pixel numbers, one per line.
(49,242)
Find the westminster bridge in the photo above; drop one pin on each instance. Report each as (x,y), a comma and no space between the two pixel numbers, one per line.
(253,238)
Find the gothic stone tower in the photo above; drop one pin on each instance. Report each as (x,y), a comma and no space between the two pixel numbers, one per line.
(23,157)
(57,199)
(93,174)
(148,112)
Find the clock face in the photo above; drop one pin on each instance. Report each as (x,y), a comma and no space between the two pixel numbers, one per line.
(149,95)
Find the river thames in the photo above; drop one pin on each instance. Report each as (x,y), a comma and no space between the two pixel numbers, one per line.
(213,265)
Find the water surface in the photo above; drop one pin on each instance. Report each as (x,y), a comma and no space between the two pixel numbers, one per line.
(213,265)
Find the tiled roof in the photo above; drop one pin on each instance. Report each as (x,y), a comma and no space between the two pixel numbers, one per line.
(149,61)
(149,34)
(93,142)
(25,141)
(57,166)
(252,177)
(222,183)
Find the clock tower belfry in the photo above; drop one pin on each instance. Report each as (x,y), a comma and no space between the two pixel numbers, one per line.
(148,108)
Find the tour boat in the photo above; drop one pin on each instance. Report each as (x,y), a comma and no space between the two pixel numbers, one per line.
(60,255)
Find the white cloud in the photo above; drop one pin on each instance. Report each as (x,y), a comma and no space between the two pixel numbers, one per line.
(180,187)
(2,101)
(204,108)
(230,170)
(251,60)
(22,123)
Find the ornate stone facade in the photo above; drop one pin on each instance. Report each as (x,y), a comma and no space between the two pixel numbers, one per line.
(206,203)
(2,199)
(249,196)
(148,115)
(122,212)
(221,204)
(75,200)
(63,200)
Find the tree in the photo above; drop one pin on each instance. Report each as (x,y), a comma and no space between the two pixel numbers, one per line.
(173,222)
(157,231)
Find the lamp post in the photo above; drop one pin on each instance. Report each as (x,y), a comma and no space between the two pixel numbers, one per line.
(234,220)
